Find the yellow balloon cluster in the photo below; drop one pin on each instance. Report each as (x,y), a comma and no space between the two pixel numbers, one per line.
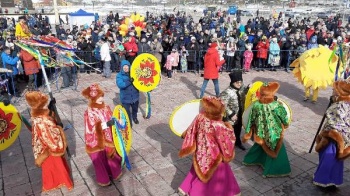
(135,20)
(123,29)
(315,69)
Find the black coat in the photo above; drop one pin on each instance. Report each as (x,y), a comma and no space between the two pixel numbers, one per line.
(193,50)
(143,48)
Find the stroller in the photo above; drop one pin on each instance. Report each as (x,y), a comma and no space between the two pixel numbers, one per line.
(3,90)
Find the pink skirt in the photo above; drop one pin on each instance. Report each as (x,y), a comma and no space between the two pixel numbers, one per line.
(222,183)
(106,169)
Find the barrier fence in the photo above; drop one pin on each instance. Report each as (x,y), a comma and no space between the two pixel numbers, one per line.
(194,62)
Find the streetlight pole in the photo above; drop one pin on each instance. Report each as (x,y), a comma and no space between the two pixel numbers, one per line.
(56,12)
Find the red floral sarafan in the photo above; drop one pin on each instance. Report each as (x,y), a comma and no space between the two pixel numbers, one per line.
(6,126)
(146,72)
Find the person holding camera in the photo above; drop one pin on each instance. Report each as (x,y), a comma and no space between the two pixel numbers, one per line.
(129,95)
(88,53)
(156,49)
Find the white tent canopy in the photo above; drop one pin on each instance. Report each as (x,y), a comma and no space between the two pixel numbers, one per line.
(80,17)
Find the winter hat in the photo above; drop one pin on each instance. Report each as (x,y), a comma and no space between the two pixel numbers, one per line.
(342,87)
(22,17)
(92,94)
(70,37)
(36,99)
(267,92)
(213,107)
(236,76)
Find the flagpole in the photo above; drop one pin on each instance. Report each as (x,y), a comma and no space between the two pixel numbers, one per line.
(52,104)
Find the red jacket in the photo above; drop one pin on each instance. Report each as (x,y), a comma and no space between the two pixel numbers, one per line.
(212,64)
(30,64)
(263,49)
(131,45)
(309,33)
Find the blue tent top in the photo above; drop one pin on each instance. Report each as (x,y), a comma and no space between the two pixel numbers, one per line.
(81,12)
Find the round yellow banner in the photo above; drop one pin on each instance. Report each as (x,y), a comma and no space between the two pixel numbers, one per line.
(146,72)
(251,95)
(124,127)
(10,125)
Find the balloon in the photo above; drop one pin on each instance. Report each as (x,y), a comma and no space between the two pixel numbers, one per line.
(137,23)
(128,21)
(123,27)
(138,31)
(142,18)
(122,33)
(137,17)
(133,17)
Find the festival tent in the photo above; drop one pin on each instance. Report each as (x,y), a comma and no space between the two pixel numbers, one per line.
(80,17)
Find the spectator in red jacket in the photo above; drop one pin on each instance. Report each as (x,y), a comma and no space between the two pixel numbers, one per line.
(212,64)
(131,49)
(310,32)
(31,68)
(263,48)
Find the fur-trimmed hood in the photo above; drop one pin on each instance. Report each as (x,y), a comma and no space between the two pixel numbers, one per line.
(213,107)
(342,89)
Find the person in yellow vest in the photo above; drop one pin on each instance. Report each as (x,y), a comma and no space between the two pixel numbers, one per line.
(22,30)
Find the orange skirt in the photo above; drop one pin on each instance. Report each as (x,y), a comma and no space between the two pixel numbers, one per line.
(55,173)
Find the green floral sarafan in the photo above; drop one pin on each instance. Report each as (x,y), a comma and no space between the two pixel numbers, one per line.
(268,120)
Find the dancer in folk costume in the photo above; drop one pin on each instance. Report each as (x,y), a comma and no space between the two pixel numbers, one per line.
(49,144)
(266,124)
(315,69)
(98,137)
(333,143)
(212,142)
(234,98)
(248,57)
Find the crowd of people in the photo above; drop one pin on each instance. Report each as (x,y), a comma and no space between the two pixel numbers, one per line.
(260,44)
(213,44)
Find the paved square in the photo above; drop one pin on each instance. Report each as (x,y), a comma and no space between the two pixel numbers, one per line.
(156,168)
